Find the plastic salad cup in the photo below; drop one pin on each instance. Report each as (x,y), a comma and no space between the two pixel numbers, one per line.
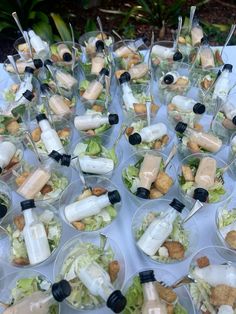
(178,300)
(21,64)
(17,285)
(225,225)
(217,193)
(90,246)
(90,148)
(163,184)
(62,126)
(13,246)
(213,268)
(179,245)
(67,61)
(98,186)
(51,192)
(134,59)
(137,123)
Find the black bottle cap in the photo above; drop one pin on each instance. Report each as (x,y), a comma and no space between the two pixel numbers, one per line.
(29,70)
(28,95)
(113,118)
(104,72)
(55,155)
(99,45)
(48,62)
(135,139)
(1,170)
(124,78)
(199,108)
(3,210)
(40,117)
(168,79)
(114,197)
(116,301)
(177,205)
(27,204)
(147,276)
(200,194)
(228,67)
(177,56)
(181,127)
(65,160)
(67,57)
(234,120)
(61,290)
(204,40)
(38,63)
(44,87)
(143,193)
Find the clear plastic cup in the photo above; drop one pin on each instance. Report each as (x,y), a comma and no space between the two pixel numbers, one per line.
(105,149)
(5,200)
(136,159)
(72,248)
(15,163)
(224,218)
(13,246)
(58,61)
(137,123)
(189,237)
(216,196)
(60,178)
(98,184)
(201,290)
(62,126)
(161,275)
(9,282)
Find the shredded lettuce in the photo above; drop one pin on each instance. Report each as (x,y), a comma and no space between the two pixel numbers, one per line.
(216,192)
(226,217)
(130,175)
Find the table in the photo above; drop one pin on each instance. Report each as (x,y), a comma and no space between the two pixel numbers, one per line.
(120,230)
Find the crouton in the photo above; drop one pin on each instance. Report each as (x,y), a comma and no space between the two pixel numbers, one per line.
(165,139)
(203,262)
(171,107)
(20,261)
(223,295)
(163,182)
(194,148)
(46,189)
(86,193)
(154,193)
(175,249)
(19,222)
(98,190)
(113,270)
(187,173)
(129,131)
(165,293)
(36,134)
(198,127)
(157,144)
(13,127)
(64,133)
(79,225)
(98,108)
(231,239)
(21,179)
(118,73)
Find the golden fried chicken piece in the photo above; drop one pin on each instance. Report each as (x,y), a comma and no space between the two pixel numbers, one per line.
(175,249)
(223,295)
(166,294)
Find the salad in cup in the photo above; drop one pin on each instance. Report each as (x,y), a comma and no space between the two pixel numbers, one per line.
(95,270)
(214,289)
(145,176)
(18,251)
(91,208)
(176,301)
(201,177)
(16,286)
(159,231)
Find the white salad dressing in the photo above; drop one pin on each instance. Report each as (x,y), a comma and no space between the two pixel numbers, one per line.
(96,165)
(183,103)
(57,104)
(163,52)
(95,87)
(39,46)
(229,110)
(150,133)
(127,93)
(222,85)
(26,84)
(7,152)
(90,121)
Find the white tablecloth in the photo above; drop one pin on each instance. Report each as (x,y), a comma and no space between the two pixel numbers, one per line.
(120,230)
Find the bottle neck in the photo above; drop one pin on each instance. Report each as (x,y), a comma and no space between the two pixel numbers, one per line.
(126,87)
(29,216)
(44,125)
(150,292)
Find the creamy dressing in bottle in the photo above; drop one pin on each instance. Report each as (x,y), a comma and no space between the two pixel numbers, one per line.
(196,33)
(147,175)
(39,46)
(186,104)
(94,121)
(97,165)
(34,234)
(49,136)
(95,87)
(163,52)
(138,71)
(90,206)
(207,141)
(58,105)
(148,134)
(206,55)
(230,111)
(152,303)
(170,77)
(7,152)
(39,302)
(26,84)
(206,172)
(127,94)
(222,85)
(64,52)
(98,62)
(65,80)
